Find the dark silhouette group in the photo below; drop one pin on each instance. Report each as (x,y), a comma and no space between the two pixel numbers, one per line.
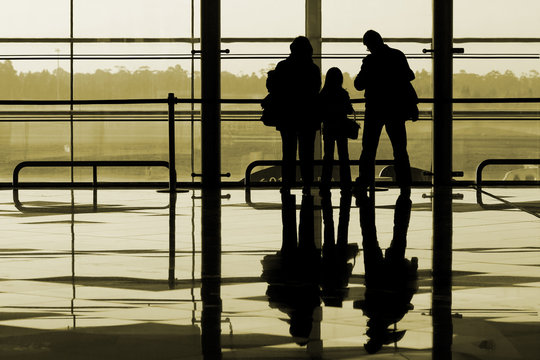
(300,277)
(297,106)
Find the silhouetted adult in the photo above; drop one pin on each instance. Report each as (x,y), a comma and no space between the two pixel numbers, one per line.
(391,279)
(293,273)
(385,76)
(296,83)
(335,105)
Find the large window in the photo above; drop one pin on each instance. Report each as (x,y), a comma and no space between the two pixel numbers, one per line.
(143,49)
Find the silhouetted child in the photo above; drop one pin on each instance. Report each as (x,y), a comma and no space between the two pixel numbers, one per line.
(335,105)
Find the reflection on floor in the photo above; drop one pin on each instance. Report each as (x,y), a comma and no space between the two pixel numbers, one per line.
(96,285)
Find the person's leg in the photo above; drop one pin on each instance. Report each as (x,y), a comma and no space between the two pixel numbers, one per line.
(372,252)
(288,166)
(370,142)
(306,153)
(306,231)
(288,218)
(402,216)
(398,137)
(344,216)
(328,158)
(344,164)
(328,221)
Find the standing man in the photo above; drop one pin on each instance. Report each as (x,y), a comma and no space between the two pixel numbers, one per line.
(390,100)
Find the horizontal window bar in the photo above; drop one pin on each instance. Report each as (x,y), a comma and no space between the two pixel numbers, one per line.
(242,101)
(421,40)
(249,57)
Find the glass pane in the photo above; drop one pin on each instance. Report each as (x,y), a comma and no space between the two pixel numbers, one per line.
(262,18)
(391,18)
(35,141)
(142,18)
(476,141)
(34,18)
(500,70)
(37,71)
(244,142)
(135,141)
(518,18)
(133,71)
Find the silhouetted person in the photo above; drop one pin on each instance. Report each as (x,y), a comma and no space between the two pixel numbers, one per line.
(295,87)
(293,273)
(385,76)
(336,268)
(335,104)
(329,238)
(391,280)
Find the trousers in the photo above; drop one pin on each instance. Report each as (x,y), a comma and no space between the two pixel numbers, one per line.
(330,142)
(305,141)
(370,141)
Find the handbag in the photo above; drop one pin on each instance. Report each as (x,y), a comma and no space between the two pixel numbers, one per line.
(269,115)
(351,128)
(411,103)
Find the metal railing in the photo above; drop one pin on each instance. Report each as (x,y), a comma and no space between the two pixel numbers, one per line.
(171,100)
(248,184)
(93,164)
(228,116)
(480,182)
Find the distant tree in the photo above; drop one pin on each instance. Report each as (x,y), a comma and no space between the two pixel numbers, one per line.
(147,83)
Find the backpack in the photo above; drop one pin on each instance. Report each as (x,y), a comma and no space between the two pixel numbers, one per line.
(270,116)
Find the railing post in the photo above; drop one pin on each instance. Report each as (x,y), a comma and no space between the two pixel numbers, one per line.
(172,148)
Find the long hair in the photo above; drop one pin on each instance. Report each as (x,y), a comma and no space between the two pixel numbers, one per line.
(333,81)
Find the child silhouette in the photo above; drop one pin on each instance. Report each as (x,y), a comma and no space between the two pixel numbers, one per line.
(335,105)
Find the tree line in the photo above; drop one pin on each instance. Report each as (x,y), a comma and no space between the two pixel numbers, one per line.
(147,83)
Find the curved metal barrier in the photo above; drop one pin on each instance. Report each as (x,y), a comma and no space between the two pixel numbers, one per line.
(505,204)
(248,184)
(94,184)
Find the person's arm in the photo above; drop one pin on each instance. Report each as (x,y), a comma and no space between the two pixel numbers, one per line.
(409,74)
(317,82)
(348,105)
(361,80)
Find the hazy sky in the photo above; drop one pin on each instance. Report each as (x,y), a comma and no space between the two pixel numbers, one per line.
(266,18)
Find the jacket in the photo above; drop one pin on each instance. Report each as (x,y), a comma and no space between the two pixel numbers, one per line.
(385,76)
(335,106)
(295,87)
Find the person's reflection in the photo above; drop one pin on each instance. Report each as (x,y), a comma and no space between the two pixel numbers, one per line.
(336,269)
(293,273)
(391,279)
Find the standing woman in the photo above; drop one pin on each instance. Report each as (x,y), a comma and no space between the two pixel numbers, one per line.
(296,84)
(335,105)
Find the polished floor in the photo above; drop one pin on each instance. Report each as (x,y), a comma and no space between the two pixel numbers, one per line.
(100,283)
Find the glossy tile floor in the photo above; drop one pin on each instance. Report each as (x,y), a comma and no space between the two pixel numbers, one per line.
(95,284)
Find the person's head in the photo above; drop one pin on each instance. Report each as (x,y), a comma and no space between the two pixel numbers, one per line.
(301,47)
(334,78)
(373,40)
